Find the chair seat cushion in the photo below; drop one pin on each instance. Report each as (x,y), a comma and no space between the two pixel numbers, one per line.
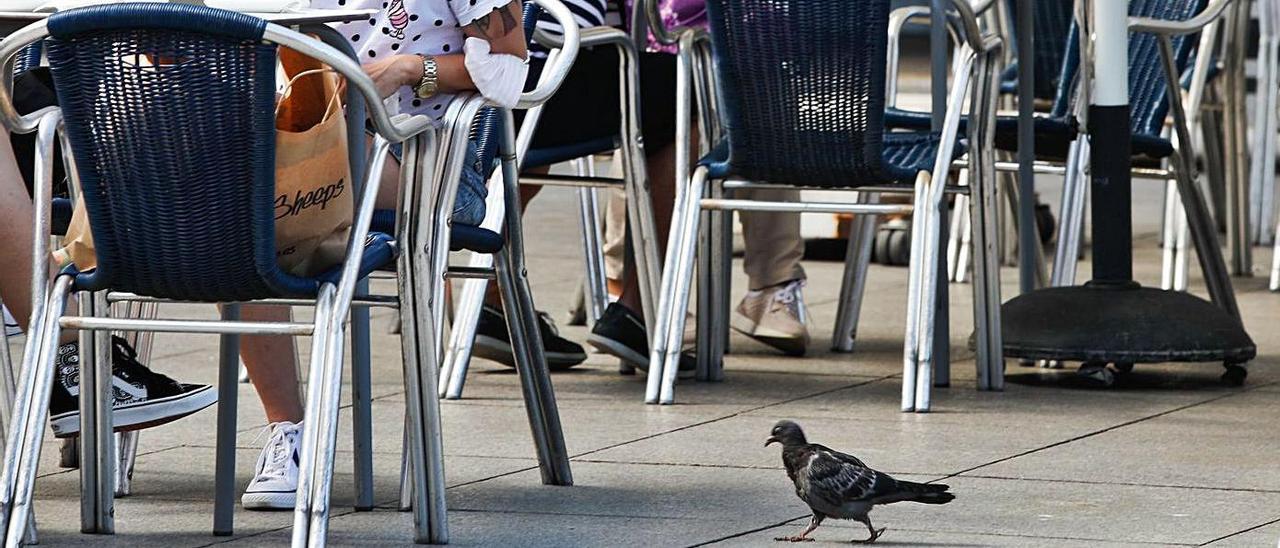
(1053,135)
(908,153)
(462,237)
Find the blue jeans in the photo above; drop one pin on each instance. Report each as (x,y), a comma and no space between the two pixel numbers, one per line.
(468,208)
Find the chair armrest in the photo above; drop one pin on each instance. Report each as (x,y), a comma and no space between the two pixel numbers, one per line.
(1209,14)
(10,47)
(558,65)
(656,26)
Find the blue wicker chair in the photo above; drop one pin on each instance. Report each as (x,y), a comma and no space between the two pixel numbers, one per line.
(151,163)
(801,95)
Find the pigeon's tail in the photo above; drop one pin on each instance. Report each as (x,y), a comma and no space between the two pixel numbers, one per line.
(928,493)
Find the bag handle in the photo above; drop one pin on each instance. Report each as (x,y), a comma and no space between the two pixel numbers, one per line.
(288,89)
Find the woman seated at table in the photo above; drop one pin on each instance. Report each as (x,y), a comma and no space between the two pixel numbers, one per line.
(421,52)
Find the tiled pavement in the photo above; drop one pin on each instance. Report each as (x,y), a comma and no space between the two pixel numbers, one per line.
(1171,458)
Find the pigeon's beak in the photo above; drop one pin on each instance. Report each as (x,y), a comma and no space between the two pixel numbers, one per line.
(772,440)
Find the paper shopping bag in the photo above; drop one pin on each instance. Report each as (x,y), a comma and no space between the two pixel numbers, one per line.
(313,204)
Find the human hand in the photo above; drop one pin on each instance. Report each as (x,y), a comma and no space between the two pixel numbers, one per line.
(393,73)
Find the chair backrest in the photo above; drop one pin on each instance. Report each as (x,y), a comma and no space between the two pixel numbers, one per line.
(1148,89)
(1052,21)
(801,87)
(169,109)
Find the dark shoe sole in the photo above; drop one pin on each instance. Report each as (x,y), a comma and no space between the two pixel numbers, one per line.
(790,346)
(498,350)
(141,415)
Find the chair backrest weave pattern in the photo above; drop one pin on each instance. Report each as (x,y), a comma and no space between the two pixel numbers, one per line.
(170,112)
(1052,21)
(802,88)
(1148,90)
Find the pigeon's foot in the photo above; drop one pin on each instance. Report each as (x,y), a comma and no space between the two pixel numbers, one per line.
(875,534)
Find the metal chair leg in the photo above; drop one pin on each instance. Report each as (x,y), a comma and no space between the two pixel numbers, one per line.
(522,324)
(319,431)
(224,491)
(595,287)
(361,403)
(957,251)
(31,411)
(535,379)
(1262,170)
(714,285)
(853,283)
(97,440)
(1071,216)
(677,275)
(419,273)
(1275,263)
(127,442)
(915,277)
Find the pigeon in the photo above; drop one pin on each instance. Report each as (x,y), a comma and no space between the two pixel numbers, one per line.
(840,486)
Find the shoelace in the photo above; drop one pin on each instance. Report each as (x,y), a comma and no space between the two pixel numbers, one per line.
(788,296)
(281,449)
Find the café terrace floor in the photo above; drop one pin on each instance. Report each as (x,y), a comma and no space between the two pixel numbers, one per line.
(1171,457)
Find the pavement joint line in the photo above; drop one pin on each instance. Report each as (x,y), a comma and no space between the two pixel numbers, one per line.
(1259,526)
(574,514)
(945,531)
(748,532)
(686,427)
(1109,428)
(1128,484)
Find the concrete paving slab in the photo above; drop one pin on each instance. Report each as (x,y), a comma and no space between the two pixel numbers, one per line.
(1227,443)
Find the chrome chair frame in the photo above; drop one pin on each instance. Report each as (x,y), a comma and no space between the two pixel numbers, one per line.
(332,304)
(974,77)
(635,183)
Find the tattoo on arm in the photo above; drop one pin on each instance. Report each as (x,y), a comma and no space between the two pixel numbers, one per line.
(491,27)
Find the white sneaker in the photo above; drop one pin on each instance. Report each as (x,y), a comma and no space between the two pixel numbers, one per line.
(275,482)
(775,316)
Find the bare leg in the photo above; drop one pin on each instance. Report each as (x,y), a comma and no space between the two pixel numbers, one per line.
(15,223)
(814,522)
(272,365)
(875,533)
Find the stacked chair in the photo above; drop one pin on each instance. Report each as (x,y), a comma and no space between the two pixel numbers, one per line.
(801,97)
(141,215)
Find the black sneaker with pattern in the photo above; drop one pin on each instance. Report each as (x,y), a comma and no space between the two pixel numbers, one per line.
(494,343)
(142,398)
(621,333)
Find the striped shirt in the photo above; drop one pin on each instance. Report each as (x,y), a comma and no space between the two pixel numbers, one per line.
(588,13)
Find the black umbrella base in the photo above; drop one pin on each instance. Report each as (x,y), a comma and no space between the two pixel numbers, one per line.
(1123,325)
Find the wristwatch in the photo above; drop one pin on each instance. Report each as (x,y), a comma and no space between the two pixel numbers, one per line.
(430,82)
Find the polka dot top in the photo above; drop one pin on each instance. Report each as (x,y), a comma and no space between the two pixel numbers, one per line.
(427,27)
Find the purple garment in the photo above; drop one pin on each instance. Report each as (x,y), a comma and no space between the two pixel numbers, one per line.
(676,14)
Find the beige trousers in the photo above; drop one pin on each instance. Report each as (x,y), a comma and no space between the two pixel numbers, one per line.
(773,244)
